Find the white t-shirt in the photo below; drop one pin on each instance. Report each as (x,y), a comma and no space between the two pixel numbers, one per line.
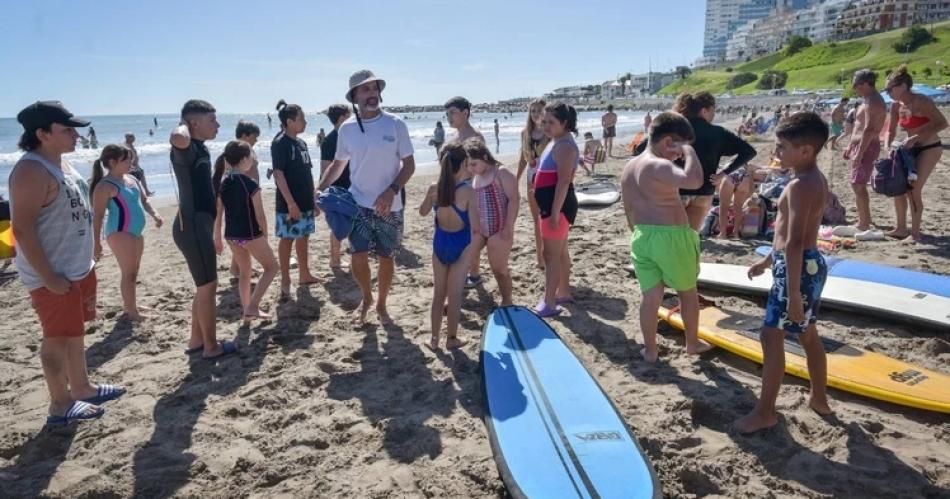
(375,156)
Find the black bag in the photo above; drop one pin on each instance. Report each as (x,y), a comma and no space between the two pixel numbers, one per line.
(890,174)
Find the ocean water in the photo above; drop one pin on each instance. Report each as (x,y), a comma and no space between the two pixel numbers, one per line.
(153,150)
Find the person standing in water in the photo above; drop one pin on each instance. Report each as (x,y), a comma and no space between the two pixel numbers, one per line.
(136,170)
(609,122)
(497,139)
(438,137)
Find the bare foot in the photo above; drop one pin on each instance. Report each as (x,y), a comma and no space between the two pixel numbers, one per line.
(700,347)
(284,290)
(753,422)
(359,315)
(384,318)
(910,240)
(820,406)
(433,343)
(255,313)
(136,316)
(306,280)
(454,342)
(649,356)
(897,234)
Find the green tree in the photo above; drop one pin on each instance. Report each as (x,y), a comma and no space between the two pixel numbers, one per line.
(683,72)
(772,79)
(796,44)
(927,72)
(913,38)
(740,79)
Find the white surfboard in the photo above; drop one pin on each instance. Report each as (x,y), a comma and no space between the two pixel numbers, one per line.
(597,194)
(843,294)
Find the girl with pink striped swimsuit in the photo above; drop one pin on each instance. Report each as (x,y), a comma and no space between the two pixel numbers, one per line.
(496,190)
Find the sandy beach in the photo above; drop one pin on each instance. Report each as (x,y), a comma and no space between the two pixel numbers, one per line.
(311,407)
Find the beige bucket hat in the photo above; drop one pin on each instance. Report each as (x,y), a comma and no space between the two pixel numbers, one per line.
(359,78)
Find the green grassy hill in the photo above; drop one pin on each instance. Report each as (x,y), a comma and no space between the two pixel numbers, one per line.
(820,66)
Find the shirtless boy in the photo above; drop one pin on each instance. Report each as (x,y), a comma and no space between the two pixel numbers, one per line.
(798,270)
(664,248)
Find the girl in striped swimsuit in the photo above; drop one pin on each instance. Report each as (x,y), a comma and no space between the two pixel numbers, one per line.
(124,198)
(496,190)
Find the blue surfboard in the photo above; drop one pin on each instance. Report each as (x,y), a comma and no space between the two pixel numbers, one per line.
(553,431)
(883,274)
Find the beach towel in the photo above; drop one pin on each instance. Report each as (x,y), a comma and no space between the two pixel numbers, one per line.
(340,209)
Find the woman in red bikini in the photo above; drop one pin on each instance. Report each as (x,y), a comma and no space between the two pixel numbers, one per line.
(922,121)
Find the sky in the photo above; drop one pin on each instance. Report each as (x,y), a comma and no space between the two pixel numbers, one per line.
(121,57)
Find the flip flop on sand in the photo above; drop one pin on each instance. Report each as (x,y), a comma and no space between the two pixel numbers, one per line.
(194,350)
(105,394)
(227,348)
(543,310)
(78,411)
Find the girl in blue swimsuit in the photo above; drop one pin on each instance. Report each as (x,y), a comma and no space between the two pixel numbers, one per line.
(452,248)
(121,195)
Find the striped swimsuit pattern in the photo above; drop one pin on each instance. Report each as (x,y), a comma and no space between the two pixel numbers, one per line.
(492,208)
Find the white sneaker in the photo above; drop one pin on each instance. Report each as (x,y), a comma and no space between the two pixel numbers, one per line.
(869,235)
(845,231)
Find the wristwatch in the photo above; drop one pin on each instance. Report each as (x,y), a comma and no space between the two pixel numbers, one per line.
(395,187)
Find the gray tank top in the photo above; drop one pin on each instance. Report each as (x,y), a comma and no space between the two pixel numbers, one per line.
(64,228)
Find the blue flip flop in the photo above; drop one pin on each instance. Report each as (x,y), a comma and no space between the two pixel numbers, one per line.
(76,412)
(105,394)
(227,348)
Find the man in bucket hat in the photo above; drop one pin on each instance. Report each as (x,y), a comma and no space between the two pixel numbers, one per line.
(52,221)
(377,146)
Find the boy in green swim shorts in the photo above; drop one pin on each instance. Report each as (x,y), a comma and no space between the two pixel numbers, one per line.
(664,249)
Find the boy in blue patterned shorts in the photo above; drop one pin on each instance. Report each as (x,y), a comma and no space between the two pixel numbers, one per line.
(798,270)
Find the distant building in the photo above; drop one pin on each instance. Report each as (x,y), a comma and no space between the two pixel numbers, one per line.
(863,17)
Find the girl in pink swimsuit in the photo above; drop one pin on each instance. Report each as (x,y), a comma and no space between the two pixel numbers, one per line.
(496,190)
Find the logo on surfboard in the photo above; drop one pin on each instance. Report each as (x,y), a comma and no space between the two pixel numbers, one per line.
(595,436)
(908,377)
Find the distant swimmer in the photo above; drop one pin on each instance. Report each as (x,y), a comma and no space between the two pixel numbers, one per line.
(155,121)
(497,140)
(136,170)
(269,122)
(93,140)
(609,122)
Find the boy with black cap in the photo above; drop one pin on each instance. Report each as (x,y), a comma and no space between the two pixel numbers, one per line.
(379,151)
(54,245)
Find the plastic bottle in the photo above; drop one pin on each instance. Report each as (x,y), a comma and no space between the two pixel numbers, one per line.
(751,217)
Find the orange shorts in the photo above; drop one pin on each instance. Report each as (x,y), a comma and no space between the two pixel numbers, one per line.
(563,227)
(66,315)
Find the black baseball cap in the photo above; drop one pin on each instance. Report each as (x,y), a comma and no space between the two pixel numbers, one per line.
(44,113)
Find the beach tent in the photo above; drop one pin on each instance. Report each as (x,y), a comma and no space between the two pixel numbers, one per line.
(921,89)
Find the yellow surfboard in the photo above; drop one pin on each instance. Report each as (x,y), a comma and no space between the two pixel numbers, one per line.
(850,369)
